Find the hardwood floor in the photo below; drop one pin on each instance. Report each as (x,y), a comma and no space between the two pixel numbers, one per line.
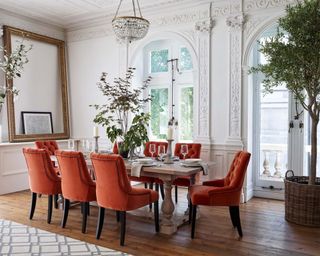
(265,230)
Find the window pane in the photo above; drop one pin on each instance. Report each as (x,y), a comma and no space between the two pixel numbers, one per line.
(159,113)
(159,61)
(185,59)
(274,133)
(186,113)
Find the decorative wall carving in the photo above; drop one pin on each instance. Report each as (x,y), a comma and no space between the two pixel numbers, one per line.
(235,24)
(203,29)
(263,4)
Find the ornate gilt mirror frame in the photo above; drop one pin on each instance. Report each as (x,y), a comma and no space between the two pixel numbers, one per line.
(9,32)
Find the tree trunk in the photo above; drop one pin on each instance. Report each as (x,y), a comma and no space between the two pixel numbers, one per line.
(313,168)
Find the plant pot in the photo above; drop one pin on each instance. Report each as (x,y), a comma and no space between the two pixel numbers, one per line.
(302,202)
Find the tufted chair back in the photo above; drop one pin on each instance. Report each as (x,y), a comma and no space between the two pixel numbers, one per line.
(194,150)
(42,176)
(146,151)
(113,185)
(237,170)
(50,145)
(76,181)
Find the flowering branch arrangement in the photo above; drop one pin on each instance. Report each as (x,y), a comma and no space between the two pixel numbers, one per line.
(122,102)
(12,66)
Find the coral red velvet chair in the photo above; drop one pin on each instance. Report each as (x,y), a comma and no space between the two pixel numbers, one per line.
(115,192)
(223,192)
(76,184)
(42,178)
(194,150)
(51,146)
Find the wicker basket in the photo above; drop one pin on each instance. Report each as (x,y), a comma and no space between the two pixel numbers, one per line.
(302,201)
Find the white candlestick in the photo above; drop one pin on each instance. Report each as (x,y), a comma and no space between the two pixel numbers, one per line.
(95,131)
(170,133)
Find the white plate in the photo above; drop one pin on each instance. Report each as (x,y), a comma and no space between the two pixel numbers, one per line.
(196,164)
(145,160)
(149,164)
(193,160)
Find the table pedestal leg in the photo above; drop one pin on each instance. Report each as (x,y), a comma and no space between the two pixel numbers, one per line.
(167,225)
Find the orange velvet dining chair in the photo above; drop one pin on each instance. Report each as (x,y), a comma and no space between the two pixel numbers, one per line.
(194,151)
(51,146)
(223,192)
(42,178)
(76,183)
(115,192)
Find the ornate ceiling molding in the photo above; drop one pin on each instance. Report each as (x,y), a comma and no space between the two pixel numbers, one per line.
(263,4)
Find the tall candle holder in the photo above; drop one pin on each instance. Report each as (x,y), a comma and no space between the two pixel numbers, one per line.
(96,145)
(168,158)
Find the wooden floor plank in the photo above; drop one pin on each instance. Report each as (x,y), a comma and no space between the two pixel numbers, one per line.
(265,230)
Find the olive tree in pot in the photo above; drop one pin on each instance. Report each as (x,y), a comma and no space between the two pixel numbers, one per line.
(293,59)
(122,114)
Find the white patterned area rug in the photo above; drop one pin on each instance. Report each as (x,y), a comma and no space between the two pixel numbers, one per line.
(18,239)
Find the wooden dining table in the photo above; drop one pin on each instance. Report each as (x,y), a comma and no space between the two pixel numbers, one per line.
(167,173)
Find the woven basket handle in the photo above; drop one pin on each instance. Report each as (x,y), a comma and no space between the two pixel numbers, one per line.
(289,174)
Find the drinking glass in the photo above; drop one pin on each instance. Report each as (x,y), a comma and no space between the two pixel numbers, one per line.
(161,151)
(152,149)
(89,146)
(184,150)
(71,144)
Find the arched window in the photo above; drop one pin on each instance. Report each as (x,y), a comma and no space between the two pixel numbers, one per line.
(169,97)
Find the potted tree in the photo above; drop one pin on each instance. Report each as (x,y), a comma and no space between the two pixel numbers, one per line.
(293,59)
(124,103)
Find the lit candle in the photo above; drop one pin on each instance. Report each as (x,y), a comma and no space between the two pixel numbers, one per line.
(170,133)
(95,131)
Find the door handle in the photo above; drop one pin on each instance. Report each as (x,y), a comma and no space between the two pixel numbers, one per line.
(291,125)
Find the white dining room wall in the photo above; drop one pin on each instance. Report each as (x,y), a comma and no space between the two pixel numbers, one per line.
(13,169)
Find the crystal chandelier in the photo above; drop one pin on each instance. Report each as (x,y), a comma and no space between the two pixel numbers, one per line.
(130,28)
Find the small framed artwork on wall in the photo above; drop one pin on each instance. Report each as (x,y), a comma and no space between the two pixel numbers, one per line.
(36,122)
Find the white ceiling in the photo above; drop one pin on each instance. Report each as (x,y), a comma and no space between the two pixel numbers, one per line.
(72,14)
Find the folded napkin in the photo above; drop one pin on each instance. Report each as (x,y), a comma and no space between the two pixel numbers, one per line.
(205,168)
(136,169)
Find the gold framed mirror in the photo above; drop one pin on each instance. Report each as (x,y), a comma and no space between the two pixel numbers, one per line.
(42,89)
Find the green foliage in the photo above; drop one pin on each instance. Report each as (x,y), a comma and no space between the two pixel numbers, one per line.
(293,59)
(123,100)
(186,109)
(12,66)
(159,108)
(159,61)
(185,59)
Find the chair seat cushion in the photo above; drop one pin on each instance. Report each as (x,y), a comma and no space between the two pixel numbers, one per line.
(182,181)
(141,179)
(139,197)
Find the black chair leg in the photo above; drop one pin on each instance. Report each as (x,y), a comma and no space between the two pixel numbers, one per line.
(156,215)
(118,216)
(176,193)
(33,204)
(50,201)
(88,208)
(56,198)
(66,205)
(194,216)
(236,216)
(84,216)
(146,185)
(100,222)
(231,211)
(150,187)
(162,191)
(123,227)
(190,211)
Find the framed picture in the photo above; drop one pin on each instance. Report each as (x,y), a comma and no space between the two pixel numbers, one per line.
(36,122)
